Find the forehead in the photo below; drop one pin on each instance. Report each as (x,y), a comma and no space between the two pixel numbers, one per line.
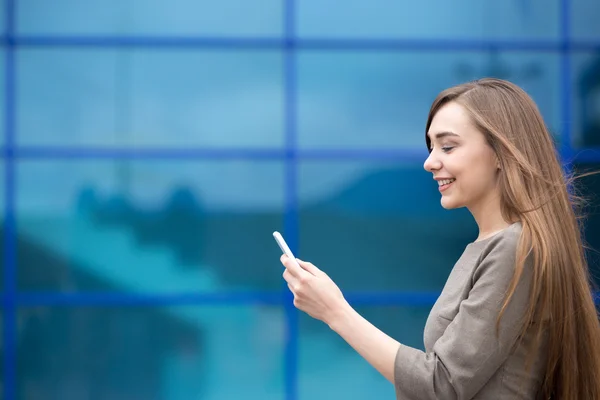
(452,117)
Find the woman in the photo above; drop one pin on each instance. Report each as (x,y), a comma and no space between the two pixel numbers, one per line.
(516,318)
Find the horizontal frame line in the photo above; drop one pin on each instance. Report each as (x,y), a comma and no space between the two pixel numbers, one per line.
(51,152)
(444,44)
(221,298)
(299,43)
(35,152)
(146,41)
(131,299)
(590,155)
(355,298)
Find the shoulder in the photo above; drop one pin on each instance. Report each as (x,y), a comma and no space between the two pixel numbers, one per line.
(498,253)
(506,240)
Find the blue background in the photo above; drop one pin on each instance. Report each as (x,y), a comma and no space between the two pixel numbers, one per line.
(150,148)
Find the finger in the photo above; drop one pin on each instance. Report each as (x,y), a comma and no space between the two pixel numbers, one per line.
(289,278)
(310,267)
(293,266)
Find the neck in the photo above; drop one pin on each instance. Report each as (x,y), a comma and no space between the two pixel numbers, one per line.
(488,216)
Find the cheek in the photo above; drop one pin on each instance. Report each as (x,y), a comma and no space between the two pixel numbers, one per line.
(473,168)
(482,176)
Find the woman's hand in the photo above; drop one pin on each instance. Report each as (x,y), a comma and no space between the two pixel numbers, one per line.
(314,292)
(317,295)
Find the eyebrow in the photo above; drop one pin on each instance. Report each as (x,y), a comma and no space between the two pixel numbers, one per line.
(441,135)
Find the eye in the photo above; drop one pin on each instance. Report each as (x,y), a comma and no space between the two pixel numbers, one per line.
(446,149)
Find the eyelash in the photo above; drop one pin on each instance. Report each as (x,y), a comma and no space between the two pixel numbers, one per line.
(445,149)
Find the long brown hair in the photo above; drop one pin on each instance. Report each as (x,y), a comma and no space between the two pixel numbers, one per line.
(535,190)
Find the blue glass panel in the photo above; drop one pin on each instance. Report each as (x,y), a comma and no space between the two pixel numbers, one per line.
(150,98)
(584,19)
(3,16)
(585,79)
(151,17)
(329,368)
(151,353)
(474,19)
(372,226)
(149,227)
(381,99)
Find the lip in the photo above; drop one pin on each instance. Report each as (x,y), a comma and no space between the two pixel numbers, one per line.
(446,186)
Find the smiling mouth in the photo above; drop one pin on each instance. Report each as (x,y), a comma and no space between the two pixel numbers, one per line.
(445,183)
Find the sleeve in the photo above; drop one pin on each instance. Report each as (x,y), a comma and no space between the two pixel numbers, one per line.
(469,352)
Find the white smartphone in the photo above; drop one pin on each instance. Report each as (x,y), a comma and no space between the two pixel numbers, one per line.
(284,247)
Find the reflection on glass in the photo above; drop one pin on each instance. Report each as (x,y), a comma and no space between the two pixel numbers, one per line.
(436,19)
(170,353)
(584,19)
(380,227)
(381,99)
(150,98)
(585,81)
(150,17)
(329,368)
(149,226)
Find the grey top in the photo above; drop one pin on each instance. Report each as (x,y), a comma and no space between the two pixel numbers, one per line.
(464,358)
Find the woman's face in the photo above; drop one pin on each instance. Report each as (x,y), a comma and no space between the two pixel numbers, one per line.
(460,159)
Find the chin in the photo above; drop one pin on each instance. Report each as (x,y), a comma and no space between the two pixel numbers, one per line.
(448,204)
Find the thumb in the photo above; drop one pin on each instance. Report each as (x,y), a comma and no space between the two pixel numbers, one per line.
(309,267)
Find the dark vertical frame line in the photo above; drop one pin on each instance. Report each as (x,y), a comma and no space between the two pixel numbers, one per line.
(566,89)
(291,226)
(10,267)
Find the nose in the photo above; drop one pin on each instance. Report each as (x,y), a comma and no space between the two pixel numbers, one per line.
(432,163)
